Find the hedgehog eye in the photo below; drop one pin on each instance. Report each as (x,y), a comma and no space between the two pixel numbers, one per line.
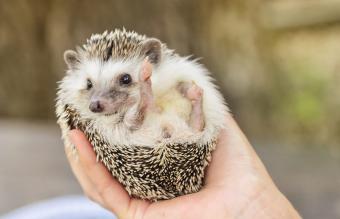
(89,84)
(125,79)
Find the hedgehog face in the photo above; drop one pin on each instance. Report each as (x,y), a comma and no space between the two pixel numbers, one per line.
(112,88)
(102,76)
(98,88)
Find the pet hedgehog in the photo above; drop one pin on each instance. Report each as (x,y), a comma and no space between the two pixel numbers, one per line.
(152,116)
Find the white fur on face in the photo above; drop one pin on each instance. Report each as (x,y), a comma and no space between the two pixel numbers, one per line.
(103,76)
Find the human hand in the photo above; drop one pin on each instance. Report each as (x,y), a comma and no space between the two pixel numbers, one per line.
(237,185)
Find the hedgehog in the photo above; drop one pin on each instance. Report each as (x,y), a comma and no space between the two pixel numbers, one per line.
(152,116)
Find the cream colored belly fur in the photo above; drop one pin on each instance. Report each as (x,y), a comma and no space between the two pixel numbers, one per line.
(174,113)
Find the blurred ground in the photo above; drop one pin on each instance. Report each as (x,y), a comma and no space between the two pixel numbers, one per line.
(33,167)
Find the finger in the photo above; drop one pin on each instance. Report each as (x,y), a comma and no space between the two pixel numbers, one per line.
(110,190)
(85,183)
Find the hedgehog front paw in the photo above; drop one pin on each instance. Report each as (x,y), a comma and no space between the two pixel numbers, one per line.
(146,71)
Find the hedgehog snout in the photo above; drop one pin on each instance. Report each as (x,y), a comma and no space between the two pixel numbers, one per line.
(96,106)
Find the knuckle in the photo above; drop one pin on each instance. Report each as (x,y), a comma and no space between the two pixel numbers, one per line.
(90,195)
(95,197)
(104,190)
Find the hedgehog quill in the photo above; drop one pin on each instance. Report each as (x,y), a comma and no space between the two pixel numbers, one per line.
(151,115)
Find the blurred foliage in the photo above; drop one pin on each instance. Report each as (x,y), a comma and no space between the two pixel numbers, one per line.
(282,84)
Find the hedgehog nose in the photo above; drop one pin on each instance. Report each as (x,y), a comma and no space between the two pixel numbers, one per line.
(96,107)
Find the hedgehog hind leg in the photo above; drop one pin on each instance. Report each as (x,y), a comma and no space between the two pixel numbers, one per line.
(194,94)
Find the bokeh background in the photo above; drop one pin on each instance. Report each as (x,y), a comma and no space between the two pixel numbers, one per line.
(277,63)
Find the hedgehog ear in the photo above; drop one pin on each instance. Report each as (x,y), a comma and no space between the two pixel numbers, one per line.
(71,58)
(152,48)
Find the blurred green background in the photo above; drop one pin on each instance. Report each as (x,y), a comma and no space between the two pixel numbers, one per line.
(276,61)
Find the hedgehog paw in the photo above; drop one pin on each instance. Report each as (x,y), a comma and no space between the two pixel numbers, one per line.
(190,90)
(194,93)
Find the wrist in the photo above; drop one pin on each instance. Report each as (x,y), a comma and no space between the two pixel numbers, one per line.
(269,203)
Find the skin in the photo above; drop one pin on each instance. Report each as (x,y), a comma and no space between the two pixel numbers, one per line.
(193,93)
(237,185)
(134,118)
